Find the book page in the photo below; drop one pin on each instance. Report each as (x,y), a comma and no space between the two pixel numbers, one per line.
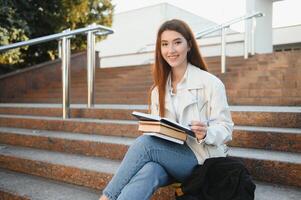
(165,137)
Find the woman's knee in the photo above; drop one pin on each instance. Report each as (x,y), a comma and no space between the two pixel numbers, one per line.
(154,173)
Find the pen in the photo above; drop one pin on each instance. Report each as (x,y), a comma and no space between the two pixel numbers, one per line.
(204,122)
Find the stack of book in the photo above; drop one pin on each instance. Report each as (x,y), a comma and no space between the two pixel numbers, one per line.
(162,127)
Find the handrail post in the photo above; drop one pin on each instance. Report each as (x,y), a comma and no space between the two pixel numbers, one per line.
(246,42)
(223,50)
(253,36)
(60,48)
(65,46)
(91,66)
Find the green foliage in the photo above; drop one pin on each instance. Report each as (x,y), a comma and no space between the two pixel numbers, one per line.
(79,13)
(12,29)
(9,36)
(24,19)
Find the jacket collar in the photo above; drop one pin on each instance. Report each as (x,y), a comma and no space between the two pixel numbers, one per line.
(193,82)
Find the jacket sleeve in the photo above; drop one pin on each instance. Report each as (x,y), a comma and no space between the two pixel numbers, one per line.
(154,102)
(220,130)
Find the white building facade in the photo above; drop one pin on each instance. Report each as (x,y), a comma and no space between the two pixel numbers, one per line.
(133,42)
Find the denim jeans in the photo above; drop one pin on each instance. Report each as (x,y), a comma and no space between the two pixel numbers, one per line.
(149,164)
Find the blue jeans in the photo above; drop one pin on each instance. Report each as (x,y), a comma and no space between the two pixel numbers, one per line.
(149,164)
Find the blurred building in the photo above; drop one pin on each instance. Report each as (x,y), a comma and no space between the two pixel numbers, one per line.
(135,33)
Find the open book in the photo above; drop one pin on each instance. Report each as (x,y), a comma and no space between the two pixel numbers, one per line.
(162,127)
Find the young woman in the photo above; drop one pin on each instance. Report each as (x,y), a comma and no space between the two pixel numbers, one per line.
(183,91)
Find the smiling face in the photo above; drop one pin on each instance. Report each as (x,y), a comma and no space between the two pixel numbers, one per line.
(174,48)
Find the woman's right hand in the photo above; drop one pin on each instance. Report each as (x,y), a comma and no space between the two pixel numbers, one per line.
(199,129)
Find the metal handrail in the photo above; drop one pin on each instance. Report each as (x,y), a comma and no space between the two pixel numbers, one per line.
(226,25)
(57,36)
(64,48)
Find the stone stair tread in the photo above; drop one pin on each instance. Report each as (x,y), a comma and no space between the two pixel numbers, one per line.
(38,188)
(240,108)
(70,136)
(280,70)
(268,129)
(91,163)
(101,121)
(31,105)
(56,105)
(293,109)
(234,151)
(265,155)
(267,191)
(134,122)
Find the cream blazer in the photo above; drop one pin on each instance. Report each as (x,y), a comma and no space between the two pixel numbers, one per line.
(204,98)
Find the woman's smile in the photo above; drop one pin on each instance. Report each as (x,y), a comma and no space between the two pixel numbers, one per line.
(172,57)
(174,48)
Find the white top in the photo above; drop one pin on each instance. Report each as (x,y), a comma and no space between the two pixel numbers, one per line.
(181,86)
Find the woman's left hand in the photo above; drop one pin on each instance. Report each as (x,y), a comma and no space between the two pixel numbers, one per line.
(199,128)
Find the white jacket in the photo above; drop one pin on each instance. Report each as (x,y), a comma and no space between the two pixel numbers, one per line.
(203,99)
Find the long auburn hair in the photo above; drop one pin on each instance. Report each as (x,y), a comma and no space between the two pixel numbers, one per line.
(161,68)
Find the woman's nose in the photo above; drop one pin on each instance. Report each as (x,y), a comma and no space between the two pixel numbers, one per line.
(171,48)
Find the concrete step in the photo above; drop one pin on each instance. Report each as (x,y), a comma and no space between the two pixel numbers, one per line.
(267,116)
(38,188)
(265,191)
(79,92)
(252,81)
(271,166)
(267,101)
(113,96)
(100,111)
(268,138)
(273,71)
(92,172)
(101,100)
(111,147)
(119,86)
(76,125)
(277,139)
(80,112)
(279,92)
(290,86)
(116,147)
(31,187)
(261,73)
(235,97)
(263,116)
(272,138)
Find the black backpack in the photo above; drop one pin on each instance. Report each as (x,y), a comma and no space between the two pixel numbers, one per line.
(222,178)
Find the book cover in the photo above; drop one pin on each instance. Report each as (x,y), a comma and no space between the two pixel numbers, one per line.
(159,123)
(148,117)
(159,128)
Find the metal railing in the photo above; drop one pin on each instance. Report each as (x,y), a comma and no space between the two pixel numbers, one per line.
(224,26)
(64,48)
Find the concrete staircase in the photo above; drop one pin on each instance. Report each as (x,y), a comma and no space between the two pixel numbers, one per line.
(267,79)
(43,156)
(83,152)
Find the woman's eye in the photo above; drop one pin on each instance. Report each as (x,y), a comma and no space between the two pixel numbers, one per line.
(178,42)
(164,44)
